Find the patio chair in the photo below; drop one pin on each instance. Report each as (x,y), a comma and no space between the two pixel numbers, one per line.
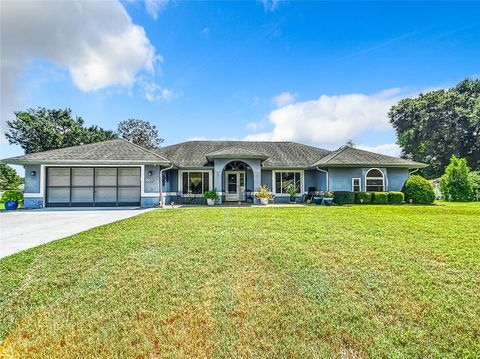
(310,193)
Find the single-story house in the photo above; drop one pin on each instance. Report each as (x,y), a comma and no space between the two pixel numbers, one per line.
(118,172)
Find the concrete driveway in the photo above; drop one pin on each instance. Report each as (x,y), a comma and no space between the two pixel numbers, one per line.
(25,229)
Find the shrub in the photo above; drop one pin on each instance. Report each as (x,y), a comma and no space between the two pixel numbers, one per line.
(12,196)
(211,194)
(264,192)
(455,184)
(418,190)
(474,179)
(395,197)
(366,196)
(343,197)
(380,197)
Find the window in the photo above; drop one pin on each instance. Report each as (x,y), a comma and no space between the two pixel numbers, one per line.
(374,180)
(356,185)
(283,180)
(195,182)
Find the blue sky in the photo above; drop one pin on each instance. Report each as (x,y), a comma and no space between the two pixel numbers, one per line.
(313,72)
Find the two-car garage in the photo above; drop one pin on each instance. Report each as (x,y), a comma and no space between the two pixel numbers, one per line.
(93,186)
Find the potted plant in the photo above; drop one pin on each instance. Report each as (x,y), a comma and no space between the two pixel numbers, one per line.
(328,198)
(292,191)
(211,197)
(11,199)
(263,195)
(318,197)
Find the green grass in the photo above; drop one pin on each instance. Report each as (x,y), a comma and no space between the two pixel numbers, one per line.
(350,282)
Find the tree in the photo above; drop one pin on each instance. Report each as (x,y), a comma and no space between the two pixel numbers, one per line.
(474,179)
(43,129)
(436,125)
(9,180)
(455,183)
(140,132)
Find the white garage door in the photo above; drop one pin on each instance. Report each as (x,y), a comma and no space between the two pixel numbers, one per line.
(93,186)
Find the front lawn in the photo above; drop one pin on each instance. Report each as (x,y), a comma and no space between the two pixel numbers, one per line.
(350,282)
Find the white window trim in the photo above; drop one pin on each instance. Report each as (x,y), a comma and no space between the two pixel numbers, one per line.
(302,182)
(359,183)
(375,178)
(180,184)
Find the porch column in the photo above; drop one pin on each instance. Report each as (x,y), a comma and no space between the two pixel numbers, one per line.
(217,176)
(257,176)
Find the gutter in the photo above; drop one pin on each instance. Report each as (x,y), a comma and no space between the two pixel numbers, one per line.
(160,183)
(326,173)
(412,172)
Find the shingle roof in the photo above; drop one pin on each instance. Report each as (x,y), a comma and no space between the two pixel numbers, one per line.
(236,152)
(348,156)
(200,153)
(114,151)
(280,154)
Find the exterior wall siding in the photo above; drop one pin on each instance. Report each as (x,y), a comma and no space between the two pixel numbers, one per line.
(32,183)
(149,201)
(267,178)
(317,179)
(151,183)
(397,178)
(340,179)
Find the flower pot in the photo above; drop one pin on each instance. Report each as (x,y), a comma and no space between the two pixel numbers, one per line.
(292,199)
(264,201)
(210,202)
(317,200)
(11,205)
(328,201)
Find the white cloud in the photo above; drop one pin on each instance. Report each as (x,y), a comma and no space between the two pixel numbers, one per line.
(96,41)
(154,92)
(270,5)
(155,7)
(389,149)
(283,99)
(330,121)
(205,31)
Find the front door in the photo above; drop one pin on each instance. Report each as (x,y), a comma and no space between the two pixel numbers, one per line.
(235,186)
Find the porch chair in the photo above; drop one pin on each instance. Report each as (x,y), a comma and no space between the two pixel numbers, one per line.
(310,193)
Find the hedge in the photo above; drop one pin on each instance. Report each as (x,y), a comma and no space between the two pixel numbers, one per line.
(380,198)
(418,190)
(395,197)
(343,197)
(366,196)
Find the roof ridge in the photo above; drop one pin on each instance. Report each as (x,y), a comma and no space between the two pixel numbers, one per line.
(143,148)
(337,152)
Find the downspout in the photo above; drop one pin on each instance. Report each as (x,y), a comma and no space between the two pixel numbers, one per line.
(160,184)
(326,177)
(411,173)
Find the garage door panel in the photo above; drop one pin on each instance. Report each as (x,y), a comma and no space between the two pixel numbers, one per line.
(128,176)
(82,176)
(58,195)
(59,176)
(105,177)
(128,195)
(82,195)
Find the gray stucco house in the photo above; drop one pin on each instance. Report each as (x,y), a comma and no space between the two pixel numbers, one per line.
(117,172)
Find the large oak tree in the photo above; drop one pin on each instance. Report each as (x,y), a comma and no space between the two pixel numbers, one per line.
(434,126)
(40,129)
